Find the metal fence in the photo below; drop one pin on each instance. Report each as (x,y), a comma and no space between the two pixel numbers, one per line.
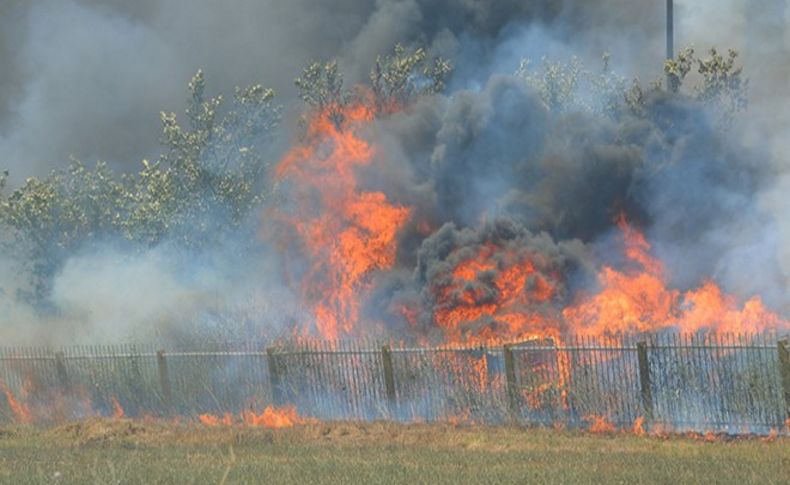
(721,382)
(135,380)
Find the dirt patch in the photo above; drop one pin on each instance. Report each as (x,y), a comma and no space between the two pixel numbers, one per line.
(98,430)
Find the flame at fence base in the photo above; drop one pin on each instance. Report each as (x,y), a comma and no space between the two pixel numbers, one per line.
(20,410)
(117,409)
(599,424)
(272,417)
(212,420)
(639,426)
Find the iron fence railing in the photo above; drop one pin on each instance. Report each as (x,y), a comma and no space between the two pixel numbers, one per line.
(723,382)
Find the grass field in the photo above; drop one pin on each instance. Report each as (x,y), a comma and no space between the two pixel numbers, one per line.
(122,451)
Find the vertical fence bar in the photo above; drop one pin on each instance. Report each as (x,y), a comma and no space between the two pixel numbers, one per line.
(60,368)
(644,379)
(274,377)
(389,376)
(783,346)
(164,377)
(510,377)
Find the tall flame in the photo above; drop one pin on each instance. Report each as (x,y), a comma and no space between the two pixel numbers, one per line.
(347,232)
(504,294)
(638,300)
(495,293)
(21,411)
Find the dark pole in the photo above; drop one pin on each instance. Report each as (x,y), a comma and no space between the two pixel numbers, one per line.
(670,30)
(671,80)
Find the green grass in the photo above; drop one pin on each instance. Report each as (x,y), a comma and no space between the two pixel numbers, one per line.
(106,451)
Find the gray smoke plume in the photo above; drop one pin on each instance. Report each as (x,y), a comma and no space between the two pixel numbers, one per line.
(87,78)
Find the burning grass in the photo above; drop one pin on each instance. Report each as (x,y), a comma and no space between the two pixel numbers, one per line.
(123,451)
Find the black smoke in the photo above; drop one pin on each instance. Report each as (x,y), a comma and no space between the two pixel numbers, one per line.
(486,160)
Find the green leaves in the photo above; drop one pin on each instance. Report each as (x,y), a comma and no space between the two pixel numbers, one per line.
(395,80)
(720,85)
(208,180)
(399,77)
(321,85)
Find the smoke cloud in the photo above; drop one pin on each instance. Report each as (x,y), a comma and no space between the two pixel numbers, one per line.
(485,162)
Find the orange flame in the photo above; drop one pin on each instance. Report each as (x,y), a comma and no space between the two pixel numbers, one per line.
(20,410)
(462,418)
(599,424)
(639,426)
(211,420)
(495,294)
(638,300)
(275,418)
(771,437)
(502,294)
(117,409)
(348,233)
(271,417)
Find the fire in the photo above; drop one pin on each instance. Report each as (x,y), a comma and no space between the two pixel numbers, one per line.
(599,424)
(275,418)
(494,294)
(637,299)
(506,294)
(348,233)
(639,426)
(271,417)
(21,411)
(771,437)
(211,420)
(462,419)
(118,411)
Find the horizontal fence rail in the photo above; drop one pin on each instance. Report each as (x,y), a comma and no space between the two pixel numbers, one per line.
(136,381)
(723,382)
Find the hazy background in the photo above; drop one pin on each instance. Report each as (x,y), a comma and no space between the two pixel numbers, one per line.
(88,79)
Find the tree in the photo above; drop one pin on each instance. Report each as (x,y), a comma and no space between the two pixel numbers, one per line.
(568,86)
(720,86)
(720,82)
(211,174)
(321,87)
(395,81)
(203,187)
(398,78)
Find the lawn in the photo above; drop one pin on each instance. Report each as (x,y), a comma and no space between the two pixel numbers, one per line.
(123,451)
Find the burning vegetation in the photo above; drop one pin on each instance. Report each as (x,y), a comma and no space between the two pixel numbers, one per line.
(519,212)
(493,281)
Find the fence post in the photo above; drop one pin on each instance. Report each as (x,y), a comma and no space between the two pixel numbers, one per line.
(644,380)
(783,347)
(274,377)
(389,375)
(164,376)
(510,376)
(60,368)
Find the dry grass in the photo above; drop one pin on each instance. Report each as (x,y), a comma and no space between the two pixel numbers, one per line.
(123,451)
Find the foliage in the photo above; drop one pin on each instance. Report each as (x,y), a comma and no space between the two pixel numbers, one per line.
(48,218)
(204,184)
(567,86)
(396,79)
(720,84)
(321,87)
(212,171)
